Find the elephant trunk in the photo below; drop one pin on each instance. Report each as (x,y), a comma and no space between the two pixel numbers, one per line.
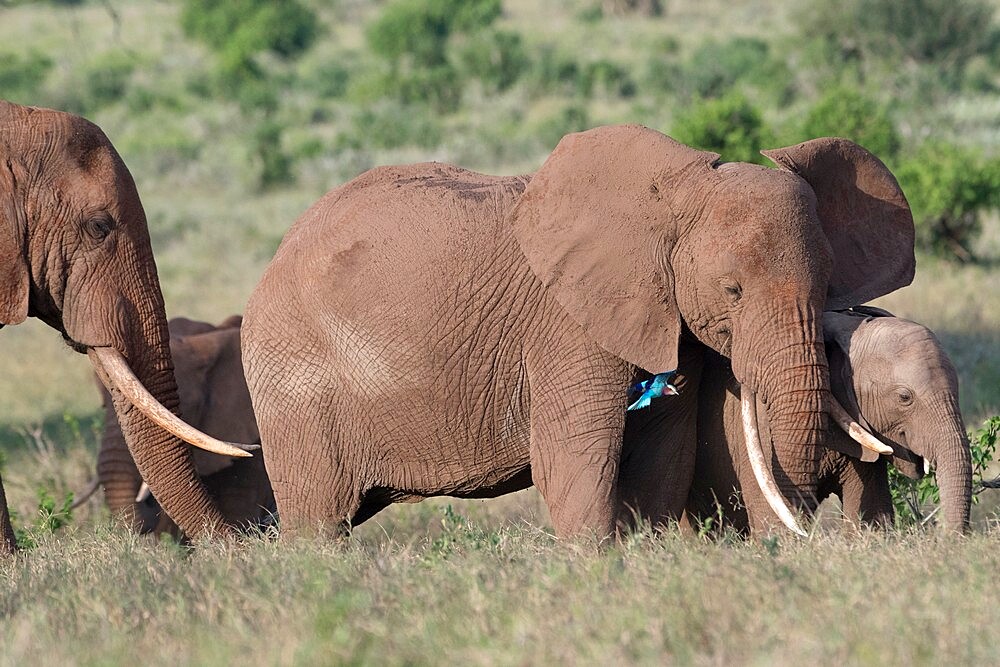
(953,464)
(793,383)
(162,459)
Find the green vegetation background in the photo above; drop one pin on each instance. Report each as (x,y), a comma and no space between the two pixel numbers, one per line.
(235,116)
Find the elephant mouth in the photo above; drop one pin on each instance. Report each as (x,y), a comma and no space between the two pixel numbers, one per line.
(74,345)
(116,375)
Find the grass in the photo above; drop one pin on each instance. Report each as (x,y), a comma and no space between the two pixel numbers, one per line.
(504,593)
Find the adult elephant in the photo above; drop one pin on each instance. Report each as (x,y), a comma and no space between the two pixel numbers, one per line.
(214,398)
(893,377)
(425,330)
(75,253)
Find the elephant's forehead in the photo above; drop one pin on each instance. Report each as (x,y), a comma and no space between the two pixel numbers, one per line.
(906,352)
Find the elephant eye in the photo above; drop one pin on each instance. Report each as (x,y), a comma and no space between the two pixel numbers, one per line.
(732,289)
(904,395)
(100,226)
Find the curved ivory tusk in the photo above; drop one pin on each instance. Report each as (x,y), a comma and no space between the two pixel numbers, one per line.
(118,375)
(144,493)
(858,433)
(84,496)
(761,469)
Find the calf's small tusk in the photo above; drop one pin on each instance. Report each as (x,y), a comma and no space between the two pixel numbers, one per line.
(114,371)
(761,469)
(858,433)
(143,493)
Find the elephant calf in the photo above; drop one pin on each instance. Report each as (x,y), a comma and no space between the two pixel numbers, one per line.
(214,397)
(893,377)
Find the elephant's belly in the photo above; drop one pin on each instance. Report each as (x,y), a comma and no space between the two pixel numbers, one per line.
(440,457)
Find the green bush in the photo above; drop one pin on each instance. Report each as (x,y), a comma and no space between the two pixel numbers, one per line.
(390,124)
(844,112)
(240,30)
(496,57)
(881,35)
(415,39)
(605,76)
(915,500)
(729,126)
(21,75)
(571,118)
(106,79)
(949,188)
(553,72)
(275,163)
(52,516)
(419,29)
(714,69)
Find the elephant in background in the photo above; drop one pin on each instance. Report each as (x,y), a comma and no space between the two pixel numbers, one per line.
(893,376)
(75,253)
(214,398)
(452,333)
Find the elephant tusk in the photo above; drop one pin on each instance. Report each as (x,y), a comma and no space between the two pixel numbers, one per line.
(116,374)
(858,433)
(144,493)
(84,496)
(761,469)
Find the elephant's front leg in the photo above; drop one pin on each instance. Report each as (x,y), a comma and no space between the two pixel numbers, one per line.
(577,419)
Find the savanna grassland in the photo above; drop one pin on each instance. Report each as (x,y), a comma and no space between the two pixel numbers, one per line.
(232,129)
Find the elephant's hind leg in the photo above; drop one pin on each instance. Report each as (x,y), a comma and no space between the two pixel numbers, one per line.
(314,490)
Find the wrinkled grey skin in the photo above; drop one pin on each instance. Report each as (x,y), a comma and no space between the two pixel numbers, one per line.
(425,330)
(214,399)
(892,373)
(75,253)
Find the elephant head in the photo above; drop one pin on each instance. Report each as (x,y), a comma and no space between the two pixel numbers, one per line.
(645,241)
(215,399)
(893,376)
(75,252)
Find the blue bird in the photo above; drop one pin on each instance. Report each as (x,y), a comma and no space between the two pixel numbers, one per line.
(656,386)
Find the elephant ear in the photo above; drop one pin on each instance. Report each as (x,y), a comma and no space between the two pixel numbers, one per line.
(864,214)
(14,283)
(595,226)
(837,331)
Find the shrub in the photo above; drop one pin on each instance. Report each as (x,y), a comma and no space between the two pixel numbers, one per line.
(22,74)
(941,34)
(912,498)
(571,118)
(843,112)
(495,57)
(240,30)
(729,126)
(389,124)
(419,29)
(414,37)
(275,163)
(106,78)
(714,69)
(949,188)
